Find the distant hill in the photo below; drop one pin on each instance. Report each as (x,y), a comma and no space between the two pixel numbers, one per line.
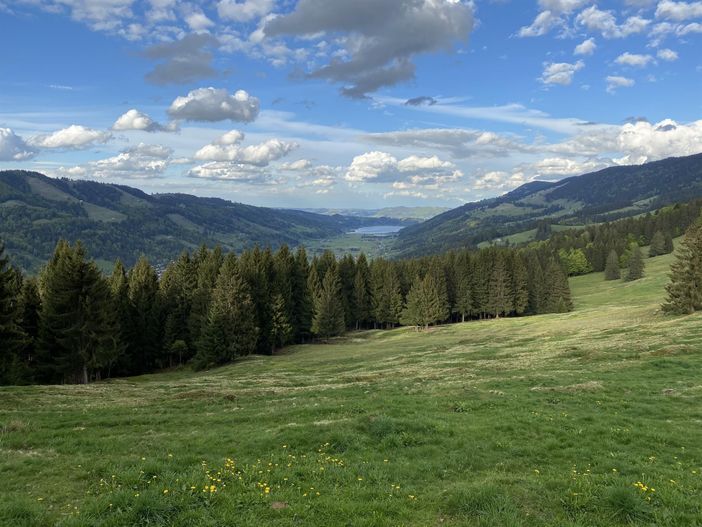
(117,221)
(397,213)
(608,194)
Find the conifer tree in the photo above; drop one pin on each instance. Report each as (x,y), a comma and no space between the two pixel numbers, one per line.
(145,304)
(29,307)
(361,293)
(668,246)
(536,285)
(657,246)
(230,330)
(499,300)
(685,287)
(328,318)
(520,285)
(386,293)
(12,338)
(636,264)
(280,327)
(612,271)
(557,298)
(302,297)
(464,286)
(424,305)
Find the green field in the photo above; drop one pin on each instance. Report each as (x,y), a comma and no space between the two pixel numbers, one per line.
(589,418)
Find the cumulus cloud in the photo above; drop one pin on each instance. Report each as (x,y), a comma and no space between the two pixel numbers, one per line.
(300,164)
(560,72)
(643,141)
(542,24)
(135,120)
(228,148)
(234,172)
(238,11)
(678,11)
(182,61)
(72,138)
(605,22)
(667,54)
(210,104)
(381,167)
(586,47)
(633,59)
(378,38)
(143,161)
(13,147)
(460,143)
(616,81)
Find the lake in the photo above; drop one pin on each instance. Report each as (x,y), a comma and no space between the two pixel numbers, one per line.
(379,230)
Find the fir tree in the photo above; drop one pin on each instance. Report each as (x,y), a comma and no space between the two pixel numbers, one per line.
(230,330)
(636,264)
(520,285)
(280,326)
(302,297)
(12,338)
(328,318)
(685,287)
(145,305)
(657,246)
(464,286)
(557,298)
(612,271)
(29,308)
(499,298)
(361,293)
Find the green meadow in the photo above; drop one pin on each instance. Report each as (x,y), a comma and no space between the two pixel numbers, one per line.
(589,418)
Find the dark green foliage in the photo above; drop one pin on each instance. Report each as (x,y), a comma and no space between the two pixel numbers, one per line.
(77,333)
(145,304)
(499,292)
(230,330)
(386,293)
(685,287)
(520,284)
(328,318)
(12,339)
(658,245)
(425,305)
(557,297)
(635,265)
(612,271)
(362,306)
(280,325)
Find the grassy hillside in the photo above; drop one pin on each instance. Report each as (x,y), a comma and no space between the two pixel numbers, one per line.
(612,193)
(557,420)
(116,221)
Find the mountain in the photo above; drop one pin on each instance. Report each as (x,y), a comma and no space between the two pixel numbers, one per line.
(608,194)
(396,213)
(117,221)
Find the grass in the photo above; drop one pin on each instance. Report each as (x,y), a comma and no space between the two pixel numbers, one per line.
(590,418)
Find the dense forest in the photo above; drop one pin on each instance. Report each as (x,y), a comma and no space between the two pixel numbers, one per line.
(72,324)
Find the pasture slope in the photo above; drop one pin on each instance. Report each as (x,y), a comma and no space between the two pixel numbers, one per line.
(590,418)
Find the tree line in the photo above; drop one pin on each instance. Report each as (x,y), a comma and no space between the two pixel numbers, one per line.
(72,323)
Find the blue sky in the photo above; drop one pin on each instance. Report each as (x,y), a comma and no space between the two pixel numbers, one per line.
(330,103)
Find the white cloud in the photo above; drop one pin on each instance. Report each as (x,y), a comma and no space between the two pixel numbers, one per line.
(300,164)
(13,147)
(617,81)
(542,24)
(560,72)
(632,59)
(210,104)
(594,19)
(143,161)
(234,172)
(228,148)
(412,171)
(586,47)
(135,120)
(198,21)
(643,141)
(73,137)
(678,11)
(667,54)
(243,11)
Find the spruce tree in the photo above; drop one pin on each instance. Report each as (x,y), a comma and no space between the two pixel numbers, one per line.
(302,298)
(657,246)
(280,325)
(557,297)
(415,306)
(328,318)
(30,307)
(668,246)
(230,330)
(499,298)
(464,286)
(636,264)
(146,326)
(685,287)
(520,285)
(612,271)
(12,338)
(361,293)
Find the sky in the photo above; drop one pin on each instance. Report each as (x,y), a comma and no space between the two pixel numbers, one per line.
(332,103)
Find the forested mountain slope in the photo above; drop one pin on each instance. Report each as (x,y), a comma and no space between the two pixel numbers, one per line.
(117,221)
(608,194)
